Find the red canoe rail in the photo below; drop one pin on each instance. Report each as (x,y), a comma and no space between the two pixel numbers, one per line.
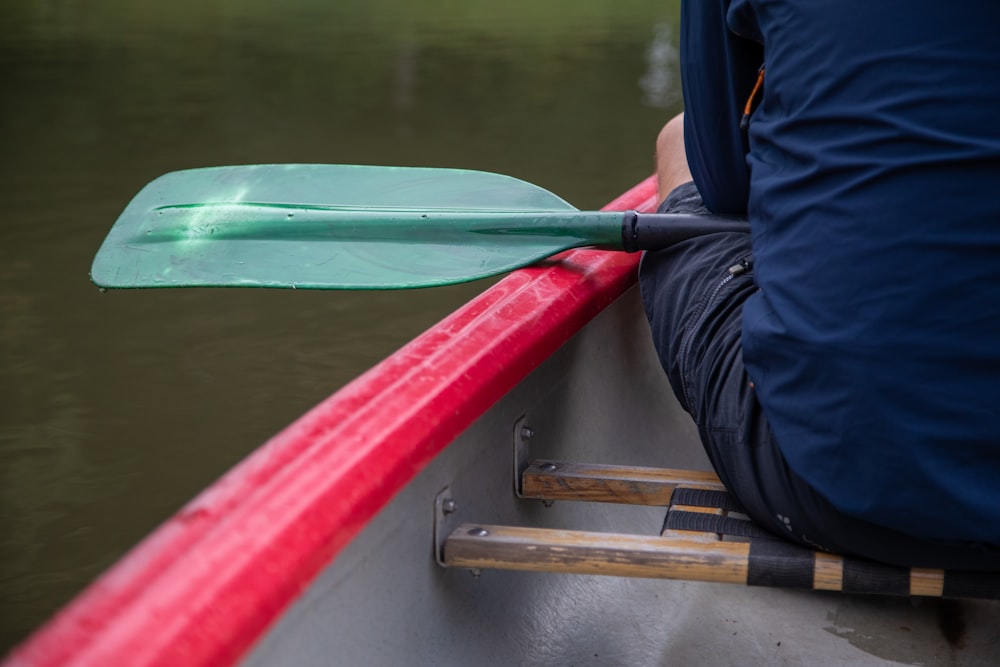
(204,587)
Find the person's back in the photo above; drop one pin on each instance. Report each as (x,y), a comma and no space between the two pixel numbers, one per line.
(875,203)
(873,342)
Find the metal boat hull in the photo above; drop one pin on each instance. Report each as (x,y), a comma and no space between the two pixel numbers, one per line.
(600,398)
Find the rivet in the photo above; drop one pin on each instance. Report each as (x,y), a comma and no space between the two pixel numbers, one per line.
(548,467)
(448,506)
(478,532)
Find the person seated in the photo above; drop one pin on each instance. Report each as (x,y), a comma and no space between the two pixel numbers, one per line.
(842,361)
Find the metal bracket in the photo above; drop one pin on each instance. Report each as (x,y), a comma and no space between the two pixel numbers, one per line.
(444,521)
(445,506)
(522,436)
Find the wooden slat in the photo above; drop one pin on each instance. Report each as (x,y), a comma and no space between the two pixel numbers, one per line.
(581,552)
(926,582)
(676,554)
(633,485)
(829,572)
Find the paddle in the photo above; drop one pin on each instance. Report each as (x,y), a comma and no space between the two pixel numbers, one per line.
(357,227)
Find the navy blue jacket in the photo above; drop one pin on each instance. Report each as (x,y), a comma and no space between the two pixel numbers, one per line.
(871,176)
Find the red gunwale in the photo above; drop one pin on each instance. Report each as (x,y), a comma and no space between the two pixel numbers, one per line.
(204,587)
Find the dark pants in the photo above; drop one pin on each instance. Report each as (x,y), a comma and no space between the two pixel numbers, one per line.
(694,293)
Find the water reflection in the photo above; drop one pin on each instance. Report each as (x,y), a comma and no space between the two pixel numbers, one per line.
(116,408)
(660,82)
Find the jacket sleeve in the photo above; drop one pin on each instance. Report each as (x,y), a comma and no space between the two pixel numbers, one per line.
(718,72)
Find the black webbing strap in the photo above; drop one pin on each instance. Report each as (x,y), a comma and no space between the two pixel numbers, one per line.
(705,498)
(711,523)
(777,563)
(983,585)
(865,576)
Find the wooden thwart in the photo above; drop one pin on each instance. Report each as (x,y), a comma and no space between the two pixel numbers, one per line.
(632,485)
(484,546)
(705,537)
(582,552)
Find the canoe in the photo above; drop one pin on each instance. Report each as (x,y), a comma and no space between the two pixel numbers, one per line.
(330,543)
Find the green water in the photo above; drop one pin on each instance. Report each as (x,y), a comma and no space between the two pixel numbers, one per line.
(117,408)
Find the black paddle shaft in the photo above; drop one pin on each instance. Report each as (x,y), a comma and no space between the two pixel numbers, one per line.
(652,231)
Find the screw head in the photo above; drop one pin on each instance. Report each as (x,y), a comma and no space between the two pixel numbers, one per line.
(478,532)
(527,433)
(448,506)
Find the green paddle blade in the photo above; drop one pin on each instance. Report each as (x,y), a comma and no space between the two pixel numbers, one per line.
(338,227)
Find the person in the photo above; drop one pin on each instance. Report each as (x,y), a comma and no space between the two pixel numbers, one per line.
(842,361)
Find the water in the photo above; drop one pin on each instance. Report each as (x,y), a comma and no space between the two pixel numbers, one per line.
(117,408)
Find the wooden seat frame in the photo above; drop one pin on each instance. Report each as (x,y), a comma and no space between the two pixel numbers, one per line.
(705,538)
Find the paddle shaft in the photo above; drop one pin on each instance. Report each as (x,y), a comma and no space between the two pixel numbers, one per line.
(250,220)
(652,231)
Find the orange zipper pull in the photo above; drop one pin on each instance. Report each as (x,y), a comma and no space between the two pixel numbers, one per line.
(748,108)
